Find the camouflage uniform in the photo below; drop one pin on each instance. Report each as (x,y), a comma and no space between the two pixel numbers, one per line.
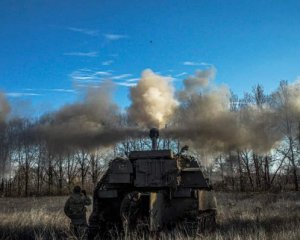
(130,210)
(75,209)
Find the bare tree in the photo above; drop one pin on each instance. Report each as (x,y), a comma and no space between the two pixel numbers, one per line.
(289,126)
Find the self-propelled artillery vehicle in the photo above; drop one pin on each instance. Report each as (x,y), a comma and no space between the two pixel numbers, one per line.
(153,190)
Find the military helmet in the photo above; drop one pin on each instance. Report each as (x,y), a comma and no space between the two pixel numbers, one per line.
(76,189)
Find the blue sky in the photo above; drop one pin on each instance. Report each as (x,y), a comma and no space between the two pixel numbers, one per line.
(48,46)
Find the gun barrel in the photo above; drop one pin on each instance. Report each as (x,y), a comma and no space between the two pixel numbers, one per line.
(154,134)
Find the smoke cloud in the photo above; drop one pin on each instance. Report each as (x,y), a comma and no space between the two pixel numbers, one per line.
(201,115)
(153,100)
(205,119)
(291,94)
(4,108)
(92,122)
(195,83)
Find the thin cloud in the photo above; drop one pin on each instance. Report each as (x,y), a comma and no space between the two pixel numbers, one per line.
(89,75)
(85,31)
(63,90)
(190,63)
(181,74)
(126,84)
(87,86)
(22,94)
(122,76)
(37,92)
(78,77)
(133,80)
(103,73)
(84,78)
(107,63)
(82,54)
(114,37)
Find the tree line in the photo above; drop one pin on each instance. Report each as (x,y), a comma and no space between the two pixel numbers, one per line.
(37,167)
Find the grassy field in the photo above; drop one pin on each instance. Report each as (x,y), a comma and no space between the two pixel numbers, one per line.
(240,216)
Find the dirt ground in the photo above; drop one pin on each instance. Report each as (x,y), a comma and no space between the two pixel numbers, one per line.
(240,216)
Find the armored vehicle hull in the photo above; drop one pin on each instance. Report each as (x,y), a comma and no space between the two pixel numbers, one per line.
(152,190)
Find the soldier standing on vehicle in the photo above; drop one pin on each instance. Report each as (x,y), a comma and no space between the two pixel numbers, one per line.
(75,209)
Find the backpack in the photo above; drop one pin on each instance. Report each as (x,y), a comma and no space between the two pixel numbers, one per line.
(74,207)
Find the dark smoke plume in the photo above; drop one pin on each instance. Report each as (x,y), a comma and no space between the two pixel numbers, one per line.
(92,122)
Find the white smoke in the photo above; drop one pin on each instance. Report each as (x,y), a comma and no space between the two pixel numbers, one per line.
(153,101)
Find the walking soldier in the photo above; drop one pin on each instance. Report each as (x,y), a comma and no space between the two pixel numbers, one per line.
(75,209)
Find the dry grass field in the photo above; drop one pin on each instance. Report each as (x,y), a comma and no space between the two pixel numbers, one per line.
(240,216)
